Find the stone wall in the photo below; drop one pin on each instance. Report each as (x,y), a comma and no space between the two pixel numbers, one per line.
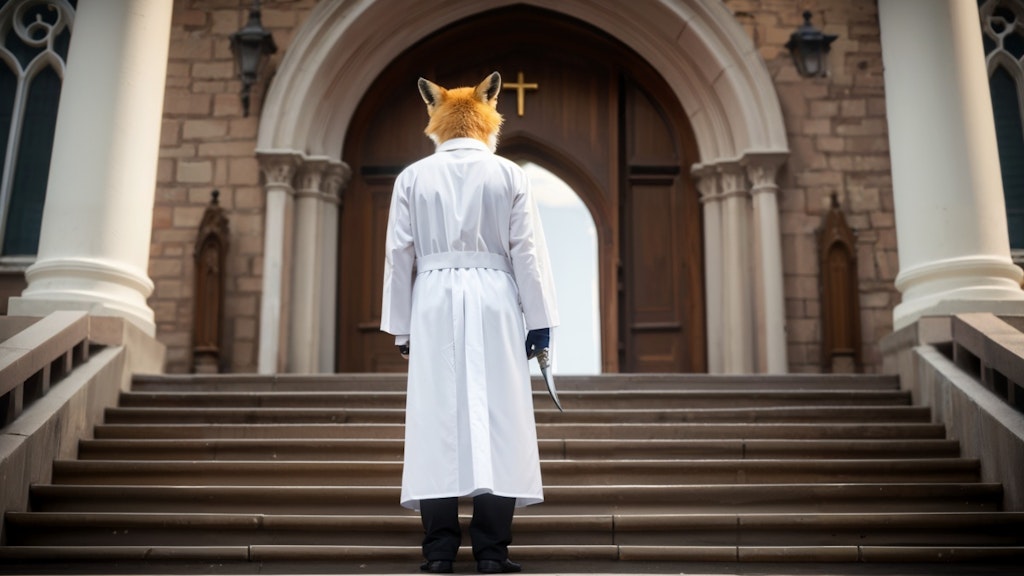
(207,144)
(836,128)
(839,144)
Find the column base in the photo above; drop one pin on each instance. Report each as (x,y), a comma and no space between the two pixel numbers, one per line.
(99,287)
(954,285)
(1000,302)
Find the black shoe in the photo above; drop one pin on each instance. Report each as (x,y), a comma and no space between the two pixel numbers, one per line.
(497,567)
(437,566)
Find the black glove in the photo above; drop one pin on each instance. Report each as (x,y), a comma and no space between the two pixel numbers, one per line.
(404,350)
(537,340)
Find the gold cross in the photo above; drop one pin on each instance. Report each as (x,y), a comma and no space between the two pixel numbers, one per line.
(521,88)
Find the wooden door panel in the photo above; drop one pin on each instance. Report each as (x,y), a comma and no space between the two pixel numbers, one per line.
(650,139)
(657,349)
(655,278)
(663,280)
(653,253)
(362,346)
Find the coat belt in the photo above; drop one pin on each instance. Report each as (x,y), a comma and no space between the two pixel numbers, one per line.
(443,260)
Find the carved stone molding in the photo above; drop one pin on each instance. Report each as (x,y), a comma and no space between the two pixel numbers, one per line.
(762,170)
(733,180)
(279,168)
(707,183)
(311,176)
(336,180)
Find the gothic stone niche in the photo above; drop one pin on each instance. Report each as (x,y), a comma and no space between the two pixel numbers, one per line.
(840,300)
(208,304)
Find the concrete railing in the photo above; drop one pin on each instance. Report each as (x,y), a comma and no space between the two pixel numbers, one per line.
(35,353)
(992,349)
(984,424)
(32,353)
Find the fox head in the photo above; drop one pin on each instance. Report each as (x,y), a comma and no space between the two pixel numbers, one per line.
(463,112)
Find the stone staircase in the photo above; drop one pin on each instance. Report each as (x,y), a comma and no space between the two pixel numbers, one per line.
(283,473)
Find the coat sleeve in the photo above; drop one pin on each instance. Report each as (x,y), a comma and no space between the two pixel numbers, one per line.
(530,262)
(399,264)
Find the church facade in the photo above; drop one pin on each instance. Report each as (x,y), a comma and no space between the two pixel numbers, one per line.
(748,219)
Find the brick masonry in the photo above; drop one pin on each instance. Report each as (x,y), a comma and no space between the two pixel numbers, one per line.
(839,144)
(836,128)
(207,144)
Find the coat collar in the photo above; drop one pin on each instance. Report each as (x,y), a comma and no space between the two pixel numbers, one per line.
(462,144)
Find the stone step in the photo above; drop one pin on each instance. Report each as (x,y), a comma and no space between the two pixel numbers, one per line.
(810,529)
(558,472)
(578,499)
(614,382)
(571,400)
(633,431)
(284,473)
(538,559)
(392,449)
(808,414)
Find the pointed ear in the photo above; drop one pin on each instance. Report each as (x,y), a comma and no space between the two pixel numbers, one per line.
(488,89)
(431,93)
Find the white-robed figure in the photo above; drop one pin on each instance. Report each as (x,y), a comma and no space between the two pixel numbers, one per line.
(467,282)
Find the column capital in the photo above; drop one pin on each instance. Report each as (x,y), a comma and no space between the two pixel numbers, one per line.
(732,179)
(310,176)
(336,180)
(316,176)
(762,169)
(720,180)
(279,167)
(707,184)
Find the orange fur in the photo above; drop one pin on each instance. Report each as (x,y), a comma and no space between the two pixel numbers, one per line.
(466,112)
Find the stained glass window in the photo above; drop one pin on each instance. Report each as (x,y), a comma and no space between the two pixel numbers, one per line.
(1002,24)
(34,39)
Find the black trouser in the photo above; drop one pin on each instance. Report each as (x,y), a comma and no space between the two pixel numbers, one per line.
(490,529)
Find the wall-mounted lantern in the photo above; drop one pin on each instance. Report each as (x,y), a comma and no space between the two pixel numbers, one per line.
(809,48)
(252,46)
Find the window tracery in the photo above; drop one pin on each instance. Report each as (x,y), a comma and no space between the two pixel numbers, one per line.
(1002,24)
(34,39)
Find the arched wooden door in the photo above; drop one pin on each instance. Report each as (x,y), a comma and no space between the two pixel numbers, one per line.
(593,113)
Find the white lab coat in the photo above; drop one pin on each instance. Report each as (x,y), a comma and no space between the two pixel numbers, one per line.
(469,426)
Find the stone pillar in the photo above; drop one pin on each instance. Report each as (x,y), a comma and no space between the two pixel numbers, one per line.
(707,184)
(951,227)
(737,302)
(97,219)
(769,296)
(335,182)
(278,170)
(307,256)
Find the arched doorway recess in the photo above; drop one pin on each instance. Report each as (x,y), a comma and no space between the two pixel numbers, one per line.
(704,58)
(601,116)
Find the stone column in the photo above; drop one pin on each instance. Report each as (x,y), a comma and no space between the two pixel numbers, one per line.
(335,182)
(737,302)
(707,184)
(97,219)
(951,227)
(278,170)
(307,256)
(769,296)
